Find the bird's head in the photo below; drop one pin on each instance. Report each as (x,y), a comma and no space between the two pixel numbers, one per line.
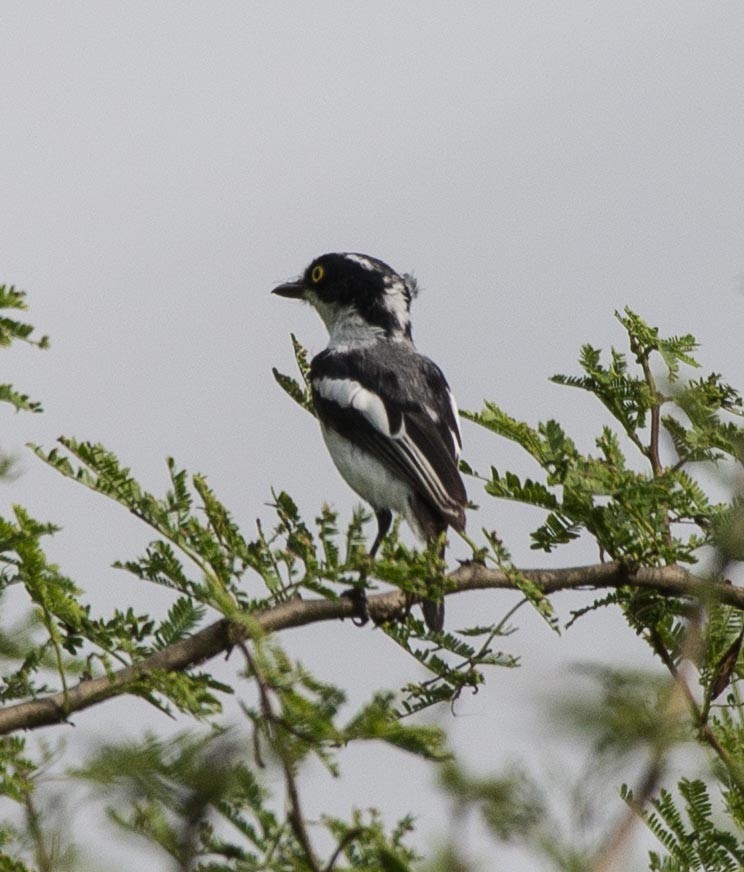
(358,297)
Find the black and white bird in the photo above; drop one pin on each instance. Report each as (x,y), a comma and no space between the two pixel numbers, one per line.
(387,414)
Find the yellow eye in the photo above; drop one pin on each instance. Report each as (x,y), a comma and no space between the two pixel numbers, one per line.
(317,274)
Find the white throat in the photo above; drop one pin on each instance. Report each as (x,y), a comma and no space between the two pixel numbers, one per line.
(346,326)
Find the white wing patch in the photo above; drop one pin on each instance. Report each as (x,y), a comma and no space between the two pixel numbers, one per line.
(363,471)
(350,394)
(456,435)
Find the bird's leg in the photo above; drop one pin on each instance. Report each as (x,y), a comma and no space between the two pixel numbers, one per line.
(357,594)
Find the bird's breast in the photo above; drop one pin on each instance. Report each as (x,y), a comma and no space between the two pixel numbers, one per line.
(374,483)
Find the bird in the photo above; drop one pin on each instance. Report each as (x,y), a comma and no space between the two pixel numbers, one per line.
(386,412)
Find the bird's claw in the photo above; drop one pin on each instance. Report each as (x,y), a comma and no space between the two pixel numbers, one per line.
(358,596)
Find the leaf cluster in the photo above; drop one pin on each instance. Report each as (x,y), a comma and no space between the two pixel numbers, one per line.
(642,498)
(652,516)
(197,798)
(697,843)
(13,330)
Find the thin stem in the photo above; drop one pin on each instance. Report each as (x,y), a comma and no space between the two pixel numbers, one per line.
(705,731)
(295,816)
(677,699)
(652,450)
(613,853)
(43,858)
(347,839)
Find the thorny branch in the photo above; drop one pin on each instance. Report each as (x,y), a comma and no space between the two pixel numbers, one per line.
(222,635)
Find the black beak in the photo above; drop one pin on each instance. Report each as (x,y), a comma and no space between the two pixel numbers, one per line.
(294,290)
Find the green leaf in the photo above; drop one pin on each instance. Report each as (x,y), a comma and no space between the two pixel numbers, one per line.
(10,328)
(300,392)
(701,844)
(183,617)
(496,420)
(378,719)
(530,492)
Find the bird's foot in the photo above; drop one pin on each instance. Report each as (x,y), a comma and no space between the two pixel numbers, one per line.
(358,596)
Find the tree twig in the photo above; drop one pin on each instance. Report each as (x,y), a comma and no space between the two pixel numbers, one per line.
(295,816)
(703,727)
(347,839)
(613,854)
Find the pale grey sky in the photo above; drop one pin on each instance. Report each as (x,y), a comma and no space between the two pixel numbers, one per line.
(537,165)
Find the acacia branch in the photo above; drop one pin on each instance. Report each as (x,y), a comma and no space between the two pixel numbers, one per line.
(222,635)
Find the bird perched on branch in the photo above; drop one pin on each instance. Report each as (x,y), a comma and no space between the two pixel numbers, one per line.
(387,414)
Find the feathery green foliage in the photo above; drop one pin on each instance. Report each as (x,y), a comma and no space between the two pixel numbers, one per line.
(654,516)
(219,799)
(299,392)
(696,844)
(12,330)
(651,509)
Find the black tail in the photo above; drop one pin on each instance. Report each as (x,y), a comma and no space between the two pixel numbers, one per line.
(434,527)
(433,614)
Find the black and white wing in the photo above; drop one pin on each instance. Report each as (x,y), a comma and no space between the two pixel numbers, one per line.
(396,405)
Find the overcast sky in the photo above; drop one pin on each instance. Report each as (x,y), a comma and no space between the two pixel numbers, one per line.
(536,165)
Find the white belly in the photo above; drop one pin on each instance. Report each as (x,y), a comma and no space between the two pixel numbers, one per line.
(374,483)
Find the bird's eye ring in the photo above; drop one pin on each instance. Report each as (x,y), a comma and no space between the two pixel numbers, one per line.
(317,274)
